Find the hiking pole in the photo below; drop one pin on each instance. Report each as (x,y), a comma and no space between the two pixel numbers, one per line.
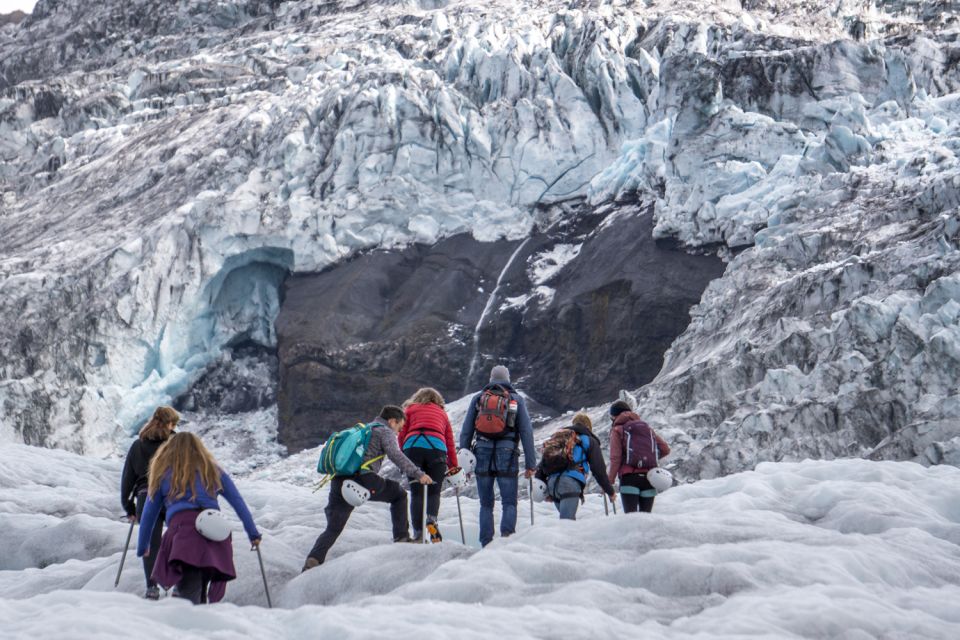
(606,509)
(530,491)
(116,582)
(263,573)
(613,501)
(423,523)
(463,538)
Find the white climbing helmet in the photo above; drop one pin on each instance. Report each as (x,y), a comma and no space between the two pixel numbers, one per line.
(660,479)
(539,490)
(354,493)
(457,480)
(212,525)
(468,461)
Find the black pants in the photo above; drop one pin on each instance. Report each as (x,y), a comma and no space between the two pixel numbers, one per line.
(633,502)
(434,464)
(193,586)
(338,510)
(155,537)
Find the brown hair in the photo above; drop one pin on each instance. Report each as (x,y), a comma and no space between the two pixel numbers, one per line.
(183,456)
(583,420)
(156,429)
(425,395)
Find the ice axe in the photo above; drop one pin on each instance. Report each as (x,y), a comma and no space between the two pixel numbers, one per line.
(423,523)
(463,538)
(530,491)
(126,547)
(263,574)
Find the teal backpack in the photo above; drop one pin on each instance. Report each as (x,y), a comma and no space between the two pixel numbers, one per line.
(343,453)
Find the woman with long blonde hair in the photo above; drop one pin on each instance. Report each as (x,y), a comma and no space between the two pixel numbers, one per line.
(427,439)
(184,480)
(133,482)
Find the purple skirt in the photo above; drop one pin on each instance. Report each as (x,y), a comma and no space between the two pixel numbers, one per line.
(183,545)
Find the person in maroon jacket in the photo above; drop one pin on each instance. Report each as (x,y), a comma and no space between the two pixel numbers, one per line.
(635,448)
(427,439)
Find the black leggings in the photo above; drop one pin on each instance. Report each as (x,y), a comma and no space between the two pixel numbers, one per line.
(193,585)
(338,510)
(633,502)
(433,462)
(155,538)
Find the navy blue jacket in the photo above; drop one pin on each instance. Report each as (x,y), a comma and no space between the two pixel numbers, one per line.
(523,425)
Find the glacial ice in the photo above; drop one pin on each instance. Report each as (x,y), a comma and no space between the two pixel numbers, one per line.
(156,187)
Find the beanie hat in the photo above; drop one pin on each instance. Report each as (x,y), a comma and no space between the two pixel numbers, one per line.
(618,407)
(500,374)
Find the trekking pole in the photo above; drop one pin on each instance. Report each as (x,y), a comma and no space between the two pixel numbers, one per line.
(116,582)
(463,538)
(614,503)
(263,573)
(423,523)
(606,509)
(530,491)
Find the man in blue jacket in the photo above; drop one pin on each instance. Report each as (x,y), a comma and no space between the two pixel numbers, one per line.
(497,452)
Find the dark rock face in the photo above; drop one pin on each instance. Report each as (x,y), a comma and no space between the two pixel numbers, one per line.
(244,380)
(374,329)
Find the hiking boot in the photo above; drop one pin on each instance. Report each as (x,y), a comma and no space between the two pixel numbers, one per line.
(153,593)
(310,563)
(434,532)
(405,538)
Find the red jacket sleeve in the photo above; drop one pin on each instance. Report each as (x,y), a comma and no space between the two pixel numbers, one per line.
(616,453)
(405,429)
(451,447)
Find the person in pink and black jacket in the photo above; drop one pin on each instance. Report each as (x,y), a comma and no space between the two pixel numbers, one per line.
(635,448)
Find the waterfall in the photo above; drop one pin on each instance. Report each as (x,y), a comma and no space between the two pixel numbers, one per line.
(475,359)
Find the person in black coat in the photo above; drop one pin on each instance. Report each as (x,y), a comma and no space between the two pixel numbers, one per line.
(133,482)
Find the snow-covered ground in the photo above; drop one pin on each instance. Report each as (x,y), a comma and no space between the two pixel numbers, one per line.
(841,549)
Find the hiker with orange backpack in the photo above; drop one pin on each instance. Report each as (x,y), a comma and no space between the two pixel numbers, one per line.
(427,439)
(635,450)
(498,420)
(569,456)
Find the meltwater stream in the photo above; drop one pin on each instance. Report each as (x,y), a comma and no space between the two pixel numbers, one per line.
(475,357)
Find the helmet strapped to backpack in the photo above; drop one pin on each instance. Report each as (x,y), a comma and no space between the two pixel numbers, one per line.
(354,493)
(538,490)
(493,409)
(212,525)
(660,479)
(468,461)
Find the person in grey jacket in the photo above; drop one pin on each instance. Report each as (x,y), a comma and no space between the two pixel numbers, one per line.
(498,458)
(383,442)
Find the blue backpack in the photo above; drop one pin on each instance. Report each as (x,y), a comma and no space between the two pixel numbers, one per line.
(343,453)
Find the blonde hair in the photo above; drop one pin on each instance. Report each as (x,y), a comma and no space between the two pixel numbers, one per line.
(183,456)
(583,420)
(156,428)
(425,395)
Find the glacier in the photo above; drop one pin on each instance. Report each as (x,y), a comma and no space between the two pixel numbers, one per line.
(163,169)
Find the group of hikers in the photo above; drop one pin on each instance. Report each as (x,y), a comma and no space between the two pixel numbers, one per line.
(170,477)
